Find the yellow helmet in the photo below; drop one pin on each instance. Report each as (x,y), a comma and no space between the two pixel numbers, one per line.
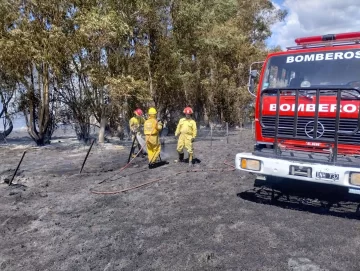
(152,111)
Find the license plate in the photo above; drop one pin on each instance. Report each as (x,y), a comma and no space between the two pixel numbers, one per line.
(327,176)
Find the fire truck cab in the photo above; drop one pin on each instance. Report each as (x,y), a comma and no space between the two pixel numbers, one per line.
(307,117)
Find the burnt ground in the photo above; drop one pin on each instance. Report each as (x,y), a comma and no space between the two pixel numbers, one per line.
(205,220)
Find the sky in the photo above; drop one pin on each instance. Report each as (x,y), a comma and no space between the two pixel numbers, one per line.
(314,17)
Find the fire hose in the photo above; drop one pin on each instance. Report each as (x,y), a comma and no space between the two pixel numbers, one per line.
(133,158)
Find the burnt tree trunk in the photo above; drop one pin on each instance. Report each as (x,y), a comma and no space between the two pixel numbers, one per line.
(37,115)
(7,132)
(102,129)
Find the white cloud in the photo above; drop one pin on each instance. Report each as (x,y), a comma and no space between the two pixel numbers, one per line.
(315,17)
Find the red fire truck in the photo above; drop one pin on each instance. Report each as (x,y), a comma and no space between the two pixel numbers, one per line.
(307,113)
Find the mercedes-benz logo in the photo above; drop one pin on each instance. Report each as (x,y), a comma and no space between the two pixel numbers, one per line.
(309,129)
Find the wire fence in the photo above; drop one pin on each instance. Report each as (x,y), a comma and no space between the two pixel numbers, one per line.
(213,136)
(212,133)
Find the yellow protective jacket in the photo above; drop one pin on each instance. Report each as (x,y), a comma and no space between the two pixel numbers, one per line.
(152,126)
(135,123)
(151,131)
(187,127)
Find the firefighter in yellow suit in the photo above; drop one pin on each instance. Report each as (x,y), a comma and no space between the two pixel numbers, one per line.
(187,130)
(152,129)
(135,122)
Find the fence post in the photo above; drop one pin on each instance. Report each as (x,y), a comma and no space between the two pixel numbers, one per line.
(83,164)
(227,133)
(211,134)
(22,157)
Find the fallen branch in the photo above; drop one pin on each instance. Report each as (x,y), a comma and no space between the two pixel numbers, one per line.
(157,180)
(111,179)
(229,164)
(124,190)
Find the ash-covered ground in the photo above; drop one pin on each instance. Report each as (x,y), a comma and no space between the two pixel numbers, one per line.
(209,218)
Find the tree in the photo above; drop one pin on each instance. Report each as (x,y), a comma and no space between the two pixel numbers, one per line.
(7,90)
(31,47)
(103,59)
(218,41)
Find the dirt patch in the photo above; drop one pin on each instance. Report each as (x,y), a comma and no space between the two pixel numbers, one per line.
(204,220)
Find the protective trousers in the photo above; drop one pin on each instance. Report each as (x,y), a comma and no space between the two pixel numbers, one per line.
(134,134)
(185,142)
(153,147)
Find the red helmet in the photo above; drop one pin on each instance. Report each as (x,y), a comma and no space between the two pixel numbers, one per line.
(138,112)
(188,111)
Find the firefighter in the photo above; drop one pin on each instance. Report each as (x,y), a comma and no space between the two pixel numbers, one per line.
(186,128)
(135,123)
(152,129)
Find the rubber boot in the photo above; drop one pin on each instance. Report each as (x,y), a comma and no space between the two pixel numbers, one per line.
(190,159)
(181,157)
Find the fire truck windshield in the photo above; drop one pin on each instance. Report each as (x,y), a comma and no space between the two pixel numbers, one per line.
(318,69)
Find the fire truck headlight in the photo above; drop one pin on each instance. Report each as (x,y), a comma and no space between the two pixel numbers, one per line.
(250,164)
(355,178)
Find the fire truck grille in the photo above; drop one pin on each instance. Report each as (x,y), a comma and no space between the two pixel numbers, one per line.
(326,128)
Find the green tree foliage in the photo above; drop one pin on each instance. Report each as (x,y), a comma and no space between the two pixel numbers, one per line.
(104,58)
(31,48)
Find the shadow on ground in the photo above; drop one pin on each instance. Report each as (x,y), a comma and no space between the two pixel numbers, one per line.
(307,197)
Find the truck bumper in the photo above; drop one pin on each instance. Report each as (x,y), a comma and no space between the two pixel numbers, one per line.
(305,171)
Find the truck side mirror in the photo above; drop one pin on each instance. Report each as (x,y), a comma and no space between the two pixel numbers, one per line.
(253,78)
(254,73)
(251,85)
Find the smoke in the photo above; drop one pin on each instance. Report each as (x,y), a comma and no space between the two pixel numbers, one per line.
(167,150)
(141,142)
(164,153)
